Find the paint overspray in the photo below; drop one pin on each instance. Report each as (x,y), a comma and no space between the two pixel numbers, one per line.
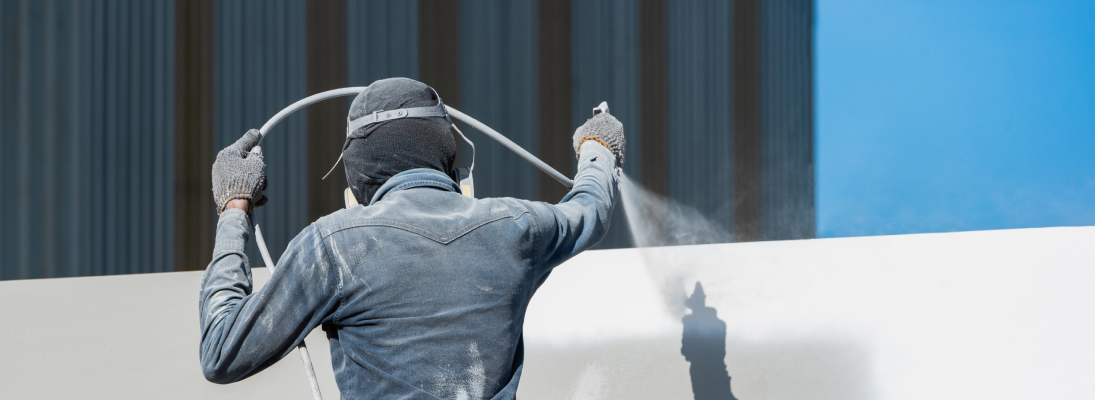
(655,221)
(659,221)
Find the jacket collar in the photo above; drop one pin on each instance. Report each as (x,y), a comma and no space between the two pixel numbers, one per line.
(419,177)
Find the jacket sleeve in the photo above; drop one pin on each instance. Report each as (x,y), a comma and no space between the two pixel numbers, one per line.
(242,332)
(581,218)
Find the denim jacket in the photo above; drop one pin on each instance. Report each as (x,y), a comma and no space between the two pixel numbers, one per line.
(422,293)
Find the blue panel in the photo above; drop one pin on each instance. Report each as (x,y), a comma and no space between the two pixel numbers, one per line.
(605,67)
(700,99)
(86,92)
(164,121)
(382,40)
(130,53)
(9,17)
(786,86)
(259,68)
(498,86)
(7,135)
(87,111)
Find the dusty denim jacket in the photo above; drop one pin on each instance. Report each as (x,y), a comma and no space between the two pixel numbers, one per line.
(422,293)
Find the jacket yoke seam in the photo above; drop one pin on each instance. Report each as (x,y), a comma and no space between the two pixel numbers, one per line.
(430,234)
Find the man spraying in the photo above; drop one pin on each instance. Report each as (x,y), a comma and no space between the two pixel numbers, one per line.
(421,290)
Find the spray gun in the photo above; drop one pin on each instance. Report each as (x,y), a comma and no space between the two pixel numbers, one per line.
(464,175)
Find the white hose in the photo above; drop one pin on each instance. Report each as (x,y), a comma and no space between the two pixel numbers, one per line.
(454,113)
(307,101)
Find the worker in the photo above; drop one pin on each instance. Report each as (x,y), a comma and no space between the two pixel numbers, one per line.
(422,291)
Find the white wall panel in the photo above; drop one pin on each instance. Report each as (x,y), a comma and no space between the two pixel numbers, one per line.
(993,314)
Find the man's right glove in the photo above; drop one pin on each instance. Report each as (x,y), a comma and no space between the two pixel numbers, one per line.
(239,174)
(605,129)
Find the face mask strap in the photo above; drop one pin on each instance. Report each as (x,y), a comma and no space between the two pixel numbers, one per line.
(333,166)
(383,116)
(472,167)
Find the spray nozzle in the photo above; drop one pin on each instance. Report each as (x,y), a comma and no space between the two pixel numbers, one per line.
(602,108)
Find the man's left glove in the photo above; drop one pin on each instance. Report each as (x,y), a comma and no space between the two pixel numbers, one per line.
(240,174)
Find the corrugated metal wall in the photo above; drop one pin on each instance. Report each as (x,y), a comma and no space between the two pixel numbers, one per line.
(498,67)
(605,67)
(786,89)
(131,127)
(40,175)
(259,70)
(87,123)
(87,111)
(700,103)
(382,40)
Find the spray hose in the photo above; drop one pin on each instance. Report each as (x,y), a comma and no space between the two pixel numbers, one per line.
(353,91)
(454,113)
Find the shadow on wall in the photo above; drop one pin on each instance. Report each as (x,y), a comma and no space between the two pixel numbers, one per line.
(703,345)
(813,367)
(788,361)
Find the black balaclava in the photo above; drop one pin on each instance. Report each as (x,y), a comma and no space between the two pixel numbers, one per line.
(376,152)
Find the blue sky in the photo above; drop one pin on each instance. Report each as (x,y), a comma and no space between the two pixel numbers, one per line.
(938,116)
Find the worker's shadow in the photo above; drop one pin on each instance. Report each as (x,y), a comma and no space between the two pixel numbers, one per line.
(704,346)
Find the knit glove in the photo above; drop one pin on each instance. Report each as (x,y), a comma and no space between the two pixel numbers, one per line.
(607,130)
(240,174)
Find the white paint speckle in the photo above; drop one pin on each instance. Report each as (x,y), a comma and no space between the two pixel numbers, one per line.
(590,385)
(268,322)
(477,377)
(467,384)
